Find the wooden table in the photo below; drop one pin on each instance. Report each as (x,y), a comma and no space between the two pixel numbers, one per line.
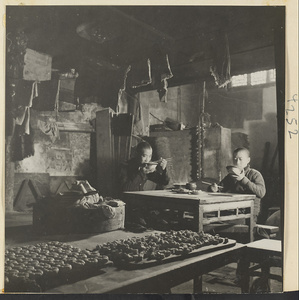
(156,279)
(200,205)
(261,252)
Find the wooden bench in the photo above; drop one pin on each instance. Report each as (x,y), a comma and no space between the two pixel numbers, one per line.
(266,253)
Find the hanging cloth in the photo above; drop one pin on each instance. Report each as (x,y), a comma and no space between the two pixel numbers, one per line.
(221,66)
(22,112)
(161,73)
(22,140)
(49,128)
(122,101)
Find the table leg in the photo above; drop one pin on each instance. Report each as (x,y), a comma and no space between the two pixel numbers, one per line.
(252,223)
(197,285)
(198,219)
(243,269)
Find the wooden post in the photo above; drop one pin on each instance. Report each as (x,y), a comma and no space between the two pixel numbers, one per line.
(105,152)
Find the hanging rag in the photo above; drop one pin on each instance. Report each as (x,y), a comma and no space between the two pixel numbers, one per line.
(138,128)
(221,66)
(161,73)
(140,74)
(122,102)
(49,128)
(24,102)
(21,144)
(22,140)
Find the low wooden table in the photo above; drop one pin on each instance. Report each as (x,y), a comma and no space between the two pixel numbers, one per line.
(156,279)
(200,205)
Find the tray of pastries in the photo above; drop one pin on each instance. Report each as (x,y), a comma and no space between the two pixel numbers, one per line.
(159,248)
(36,268)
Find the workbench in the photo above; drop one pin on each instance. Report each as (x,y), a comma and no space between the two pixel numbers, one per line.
(207,208)
(156,279)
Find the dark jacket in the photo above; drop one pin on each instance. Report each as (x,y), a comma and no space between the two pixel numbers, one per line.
(252,183)
(132,179)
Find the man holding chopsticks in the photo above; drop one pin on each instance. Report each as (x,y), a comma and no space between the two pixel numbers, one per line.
(137,171)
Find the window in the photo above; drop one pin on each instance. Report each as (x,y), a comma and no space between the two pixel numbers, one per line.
(239,80)
(255,78)
(272,75)
(258,78)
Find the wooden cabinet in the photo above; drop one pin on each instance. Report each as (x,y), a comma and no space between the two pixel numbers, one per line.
(113,140)
(183,147)
(217,153)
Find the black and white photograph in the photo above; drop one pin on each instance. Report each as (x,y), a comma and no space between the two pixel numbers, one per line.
(145,149)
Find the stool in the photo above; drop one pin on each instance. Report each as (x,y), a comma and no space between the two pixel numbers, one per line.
(266,253)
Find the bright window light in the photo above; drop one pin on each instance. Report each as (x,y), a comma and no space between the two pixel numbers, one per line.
(239,80)
(272,75)
(258,77)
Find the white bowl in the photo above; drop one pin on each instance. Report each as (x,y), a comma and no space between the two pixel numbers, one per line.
(233,170)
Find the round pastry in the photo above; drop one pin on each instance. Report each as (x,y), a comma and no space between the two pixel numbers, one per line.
(31,248)
(34,262)
(20,266)
(53,254)
(91,262)
(78,264)
(8,269)
(49,259)
(58,261)
(66,268)
(44,265)
(76,249)
(22,275)
(68,252)
(103,260)
(20,257)
(35,274)
(70,260)
(34,255)
(62,257)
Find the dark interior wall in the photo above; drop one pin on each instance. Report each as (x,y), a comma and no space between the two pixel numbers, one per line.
(56,159)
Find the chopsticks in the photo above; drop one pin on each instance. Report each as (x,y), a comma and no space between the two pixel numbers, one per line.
(209,183)
(157,161)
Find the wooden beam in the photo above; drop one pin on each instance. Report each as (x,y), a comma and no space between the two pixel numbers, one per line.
(75,127)
(143,24)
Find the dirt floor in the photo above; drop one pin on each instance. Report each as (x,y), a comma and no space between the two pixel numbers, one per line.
(222,280)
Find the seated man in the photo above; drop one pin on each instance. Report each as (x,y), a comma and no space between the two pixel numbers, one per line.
(247,181)
(134,176)
(138,170)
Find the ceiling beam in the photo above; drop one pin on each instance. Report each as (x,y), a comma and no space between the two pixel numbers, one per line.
(143,24)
